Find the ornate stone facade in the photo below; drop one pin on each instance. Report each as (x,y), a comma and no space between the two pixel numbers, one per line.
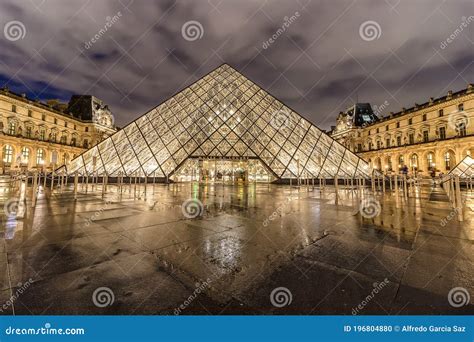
(43,136)
(435,135)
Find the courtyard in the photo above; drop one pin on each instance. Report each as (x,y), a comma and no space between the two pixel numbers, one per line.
(214,248)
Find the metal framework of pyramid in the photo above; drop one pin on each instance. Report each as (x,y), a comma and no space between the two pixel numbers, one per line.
(222,115)
(465,169)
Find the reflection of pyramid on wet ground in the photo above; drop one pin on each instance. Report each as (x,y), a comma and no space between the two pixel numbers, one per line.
(222,115)
(465,169)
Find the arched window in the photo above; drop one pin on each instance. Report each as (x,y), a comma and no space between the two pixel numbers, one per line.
(40,156)
(63,139)
(430,160)
(25,155)
(401,161)
(86,143)
(54,157)
(65,158)
(388,165)
(414,161)
(7,154)
(449,160)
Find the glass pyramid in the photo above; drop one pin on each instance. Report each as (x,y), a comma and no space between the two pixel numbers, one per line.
(222,115)
(465,169)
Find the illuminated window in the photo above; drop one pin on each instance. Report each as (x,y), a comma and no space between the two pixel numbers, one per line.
(414,161)
(448,160)
(12,128)
(430,159)
(40,156)
(25,155)
(7,154)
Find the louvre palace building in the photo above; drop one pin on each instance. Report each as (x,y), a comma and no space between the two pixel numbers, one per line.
(43,136)
(435,135)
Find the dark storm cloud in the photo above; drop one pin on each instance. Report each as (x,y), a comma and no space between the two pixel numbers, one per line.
(318,65)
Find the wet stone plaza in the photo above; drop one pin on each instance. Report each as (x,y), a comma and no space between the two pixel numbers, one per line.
(191,248)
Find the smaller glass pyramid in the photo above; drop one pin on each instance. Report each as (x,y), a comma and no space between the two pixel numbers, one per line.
(222,115)
(465,169)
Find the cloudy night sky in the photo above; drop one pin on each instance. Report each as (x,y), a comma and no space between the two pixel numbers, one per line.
(330,54)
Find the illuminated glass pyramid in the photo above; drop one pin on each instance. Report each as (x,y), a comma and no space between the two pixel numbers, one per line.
(465,169)
(222,115)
